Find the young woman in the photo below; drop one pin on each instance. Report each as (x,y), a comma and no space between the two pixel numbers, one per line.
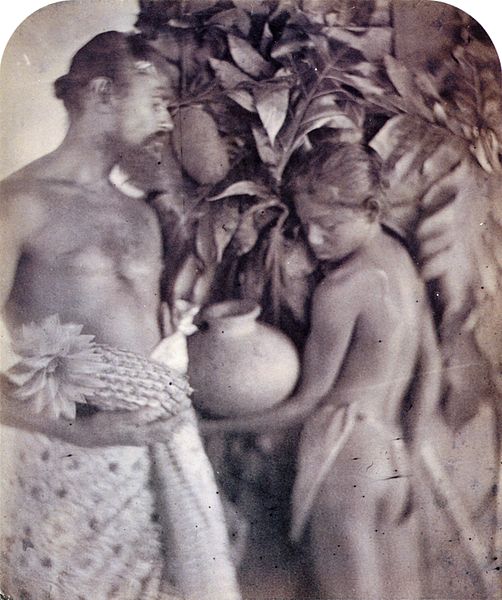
(370,378)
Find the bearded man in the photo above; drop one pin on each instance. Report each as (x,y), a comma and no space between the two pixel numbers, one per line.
(80,518)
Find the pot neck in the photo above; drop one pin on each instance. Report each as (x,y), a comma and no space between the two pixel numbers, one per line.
(234,325)
(232,317)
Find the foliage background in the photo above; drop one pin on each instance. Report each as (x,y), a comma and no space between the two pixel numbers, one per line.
(261,84)
(251,99)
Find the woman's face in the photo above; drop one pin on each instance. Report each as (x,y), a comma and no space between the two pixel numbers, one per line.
(334,229)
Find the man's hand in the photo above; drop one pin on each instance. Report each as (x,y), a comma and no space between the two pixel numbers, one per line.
(127,428)
(105,428)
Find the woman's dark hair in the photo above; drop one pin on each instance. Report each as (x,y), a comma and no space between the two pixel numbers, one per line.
(349,167)
(106,55)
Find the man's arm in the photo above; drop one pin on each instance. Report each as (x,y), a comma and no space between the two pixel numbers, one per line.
(105,428)
(334,315)
(20,217)
(11,242)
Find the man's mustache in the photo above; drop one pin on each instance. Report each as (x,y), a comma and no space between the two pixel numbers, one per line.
(155,143)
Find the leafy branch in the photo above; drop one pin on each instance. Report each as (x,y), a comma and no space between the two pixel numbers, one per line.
(276,79)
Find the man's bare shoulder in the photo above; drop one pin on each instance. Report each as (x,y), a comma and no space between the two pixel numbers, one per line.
(37,170)
(22,199)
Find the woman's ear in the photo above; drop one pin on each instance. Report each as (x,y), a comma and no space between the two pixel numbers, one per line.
(372,206)
(101,89)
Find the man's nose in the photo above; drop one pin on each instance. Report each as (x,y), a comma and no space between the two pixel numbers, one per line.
(166,122)
(315,235)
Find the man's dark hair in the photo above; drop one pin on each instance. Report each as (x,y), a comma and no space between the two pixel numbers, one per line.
(106,55)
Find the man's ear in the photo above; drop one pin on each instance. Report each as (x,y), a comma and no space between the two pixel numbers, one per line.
(101,89)
(372,206)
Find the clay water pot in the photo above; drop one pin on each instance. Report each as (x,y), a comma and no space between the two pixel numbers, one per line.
(237,365)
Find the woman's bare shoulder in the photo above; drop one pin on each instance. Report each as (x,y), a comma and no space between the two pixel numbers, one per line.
(348,285)
(355,275)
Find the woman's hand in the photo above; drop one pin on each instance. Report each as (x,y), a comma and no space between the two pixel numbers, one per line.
(208,427)
(289,413)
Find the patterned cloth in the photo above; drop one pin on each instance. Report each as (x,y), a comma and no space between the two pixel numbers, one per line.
(107,523)
(76,523)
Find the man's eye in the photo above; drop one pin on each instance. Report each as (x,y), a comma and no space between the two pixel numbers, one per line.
(159,104)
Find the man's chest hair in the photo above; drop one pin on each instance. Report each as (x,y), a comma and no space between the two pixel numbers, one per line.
(86,235)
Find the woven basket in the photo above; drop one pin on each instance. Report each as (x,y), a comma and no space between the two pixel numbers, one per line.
(60,367)
(130,381)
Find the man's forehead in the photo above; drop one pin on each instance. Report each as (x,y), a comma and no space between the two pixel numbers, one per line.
(147,74)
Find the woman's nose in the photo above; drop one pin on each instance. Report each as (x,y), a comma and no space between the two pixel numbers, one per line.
(315,235)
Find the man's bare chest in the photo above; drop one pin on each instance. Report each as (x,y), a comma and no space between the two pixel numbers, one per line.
(97,238)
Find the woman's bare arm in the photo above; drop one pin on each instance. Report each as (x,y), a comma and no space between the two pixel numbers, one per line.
(334,316)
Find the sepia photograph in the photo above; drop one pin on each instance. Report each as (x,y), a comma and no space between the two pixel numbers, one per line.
(251,301)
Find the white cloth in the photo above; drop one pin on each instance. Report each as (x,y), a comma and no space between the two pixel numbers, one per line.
(323,438)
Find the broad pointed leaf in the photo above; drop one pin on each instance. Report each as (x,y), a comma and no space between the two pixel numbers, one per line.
(285,48)
(246,234)
(372,42)
(427,84)
(251,223)
(363,84)
(265,150)
(266,39)
(241,188)
(225,222)
(272,106)
(402,79)
(383,142)
(243,98)
(247,58)
(326,117)
(233,18)
(228,75)
(204,241)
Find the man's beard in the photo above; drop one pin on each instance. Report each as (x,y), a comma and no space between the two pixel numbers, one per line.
(144,162)
(154,145)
